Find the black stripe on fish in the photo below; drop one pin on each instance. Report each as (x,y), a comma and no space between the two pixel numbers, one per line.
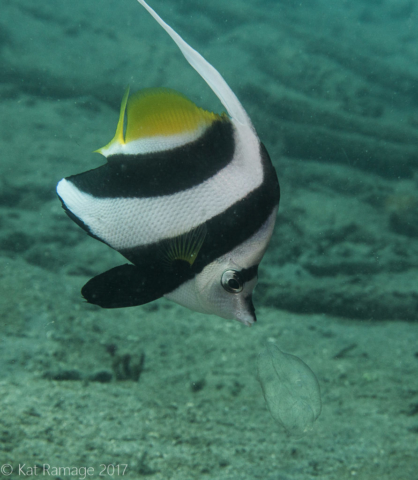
(161,173)
(248,274)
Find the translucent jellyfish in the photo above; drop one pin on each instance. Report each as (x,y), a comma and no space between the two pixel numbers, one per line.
(290,388)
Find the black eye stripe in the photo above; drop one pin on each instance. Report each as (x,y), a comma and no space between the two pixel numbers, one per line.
(248,274)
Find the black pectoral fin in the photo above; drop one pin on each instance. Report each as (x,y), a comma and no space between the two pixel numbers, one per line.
(123,286)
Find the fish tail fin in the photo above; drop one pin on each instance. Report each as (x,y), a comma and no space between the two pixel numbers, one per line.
(211,76)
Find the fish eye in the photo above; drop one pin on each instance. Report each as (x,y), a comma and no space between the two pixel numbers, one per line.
(231,281)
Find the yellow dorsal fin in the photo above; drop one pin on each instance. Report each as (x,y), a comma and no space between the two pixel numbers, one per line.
(156,112)
(118,138)
(162,111)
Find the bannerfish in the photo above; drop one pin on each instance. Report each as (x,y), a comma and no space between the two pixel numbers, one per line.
(189,197)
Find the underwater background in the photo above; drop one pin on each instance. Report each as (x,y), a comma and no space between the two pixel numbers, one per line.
(332,89)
